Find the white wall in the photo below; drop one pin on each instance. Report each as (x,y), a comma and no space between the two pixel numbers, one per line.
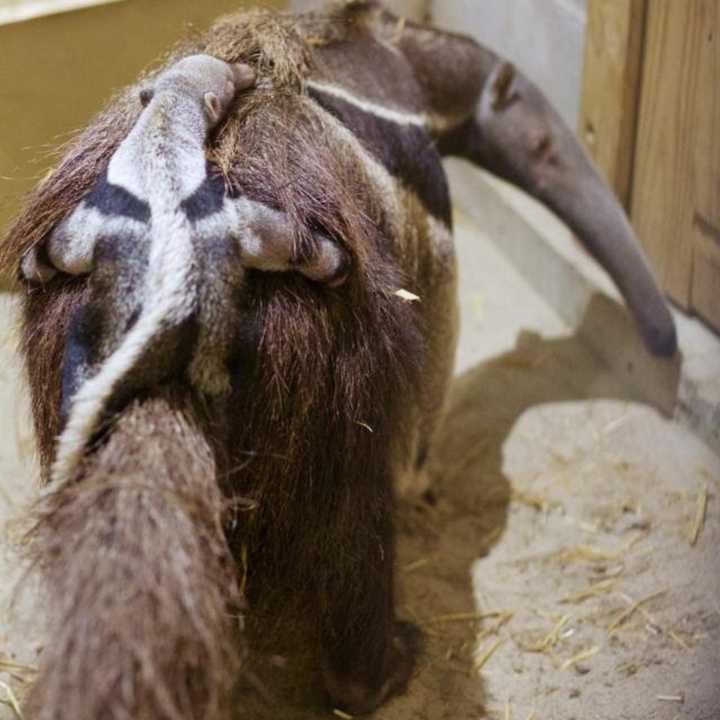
(545,38)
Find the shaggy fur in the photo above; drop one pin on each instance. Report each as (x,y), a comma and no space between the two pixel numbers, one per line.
(141,579)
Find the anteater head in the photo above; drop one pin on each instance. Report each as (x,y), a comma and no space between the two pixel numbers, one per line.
(210,82)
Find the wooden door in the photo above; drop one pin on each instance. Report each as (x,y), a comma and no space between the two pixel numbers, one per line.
(667,170)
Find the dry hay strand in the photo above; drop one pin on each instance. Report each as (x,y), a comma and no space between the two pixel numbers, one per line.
(483,658)
(17,671)
(493,629)
(700,513)
(599,588)
(674,636)
(417,564)
(579,657)
(11,700)
(464,617)
(537,502)
(625,615)
(11,666)
(550,640)
(679,698)
(342,715)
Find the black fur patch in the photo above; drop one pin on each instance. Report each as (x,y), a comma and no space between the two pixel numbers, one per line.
(80,350)
(407,152)
(111,199)
(206,200)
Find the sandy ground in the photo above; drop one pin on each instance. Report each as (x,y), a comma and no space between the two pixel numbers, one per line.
(555,572)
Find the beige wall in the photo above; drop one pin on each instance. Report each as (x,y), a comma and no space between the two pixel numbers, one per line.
(56,72)
(413,9)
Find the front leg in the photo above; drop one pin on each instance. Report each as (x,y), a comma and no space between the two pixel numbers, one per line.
(368,655)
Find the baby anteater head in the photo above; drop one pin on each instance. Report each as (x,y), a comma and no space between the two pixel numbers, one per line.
(204,79)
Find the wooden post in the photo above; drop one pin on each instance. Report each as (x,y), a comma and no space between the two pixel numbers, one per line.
(611,88)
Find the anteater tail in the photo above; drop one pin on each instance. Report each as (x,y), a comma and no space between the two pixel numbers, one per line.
(143,586)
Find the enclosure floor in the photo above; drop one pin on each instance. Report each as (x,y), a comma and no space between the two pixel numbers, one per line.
(553,572)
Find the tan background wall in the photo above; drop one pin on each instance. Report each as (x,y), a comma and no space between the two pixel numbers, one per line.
(57,71)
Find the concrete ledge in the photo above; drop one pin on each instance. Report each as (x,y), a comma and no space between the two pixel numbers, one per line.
(547,256)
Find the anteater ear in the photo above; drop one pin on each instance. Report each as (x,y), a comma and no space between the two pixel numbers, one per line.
(212,105)
(503,86)
(146,95)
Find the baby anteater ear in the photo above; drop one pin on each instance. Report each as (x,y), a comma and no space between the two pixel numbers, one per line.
(146,95)
(213,106)
(243,75)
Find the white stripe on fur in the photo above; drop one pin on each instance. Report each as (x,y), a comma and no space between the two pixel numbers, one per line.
(168,299)
(368,106)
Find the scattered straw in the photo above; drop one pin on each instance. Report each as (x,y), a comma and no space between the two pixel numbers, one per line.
(495,627)
(680,698)
(626,614)
(551,638)
(600,588)
(417,564)
(583,655)
(482,659)
(10,666)
(341,714)
(700,512)
(679,640)
(531,716)
(407,295)
(465,617)
(537,502)
(11,700)
(508,710)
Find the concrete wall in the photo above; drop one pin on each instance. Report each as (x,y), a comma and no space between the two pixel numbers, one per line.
(413,9)
(545,38)
(56,72)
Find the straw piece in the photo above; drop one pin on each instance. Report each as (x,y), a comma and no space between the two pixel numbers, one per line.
(678,640)
(604,586)
(700,513)
(419,563)
(12,700)
(551,638)
(584,655)
(680,698)
(492,629)
(466,617)
(407,295)
(482,660)
(626,614)
(10,666)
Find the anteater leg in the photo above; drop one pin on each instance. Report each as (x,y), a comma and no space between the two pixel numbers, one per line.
(368,654)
